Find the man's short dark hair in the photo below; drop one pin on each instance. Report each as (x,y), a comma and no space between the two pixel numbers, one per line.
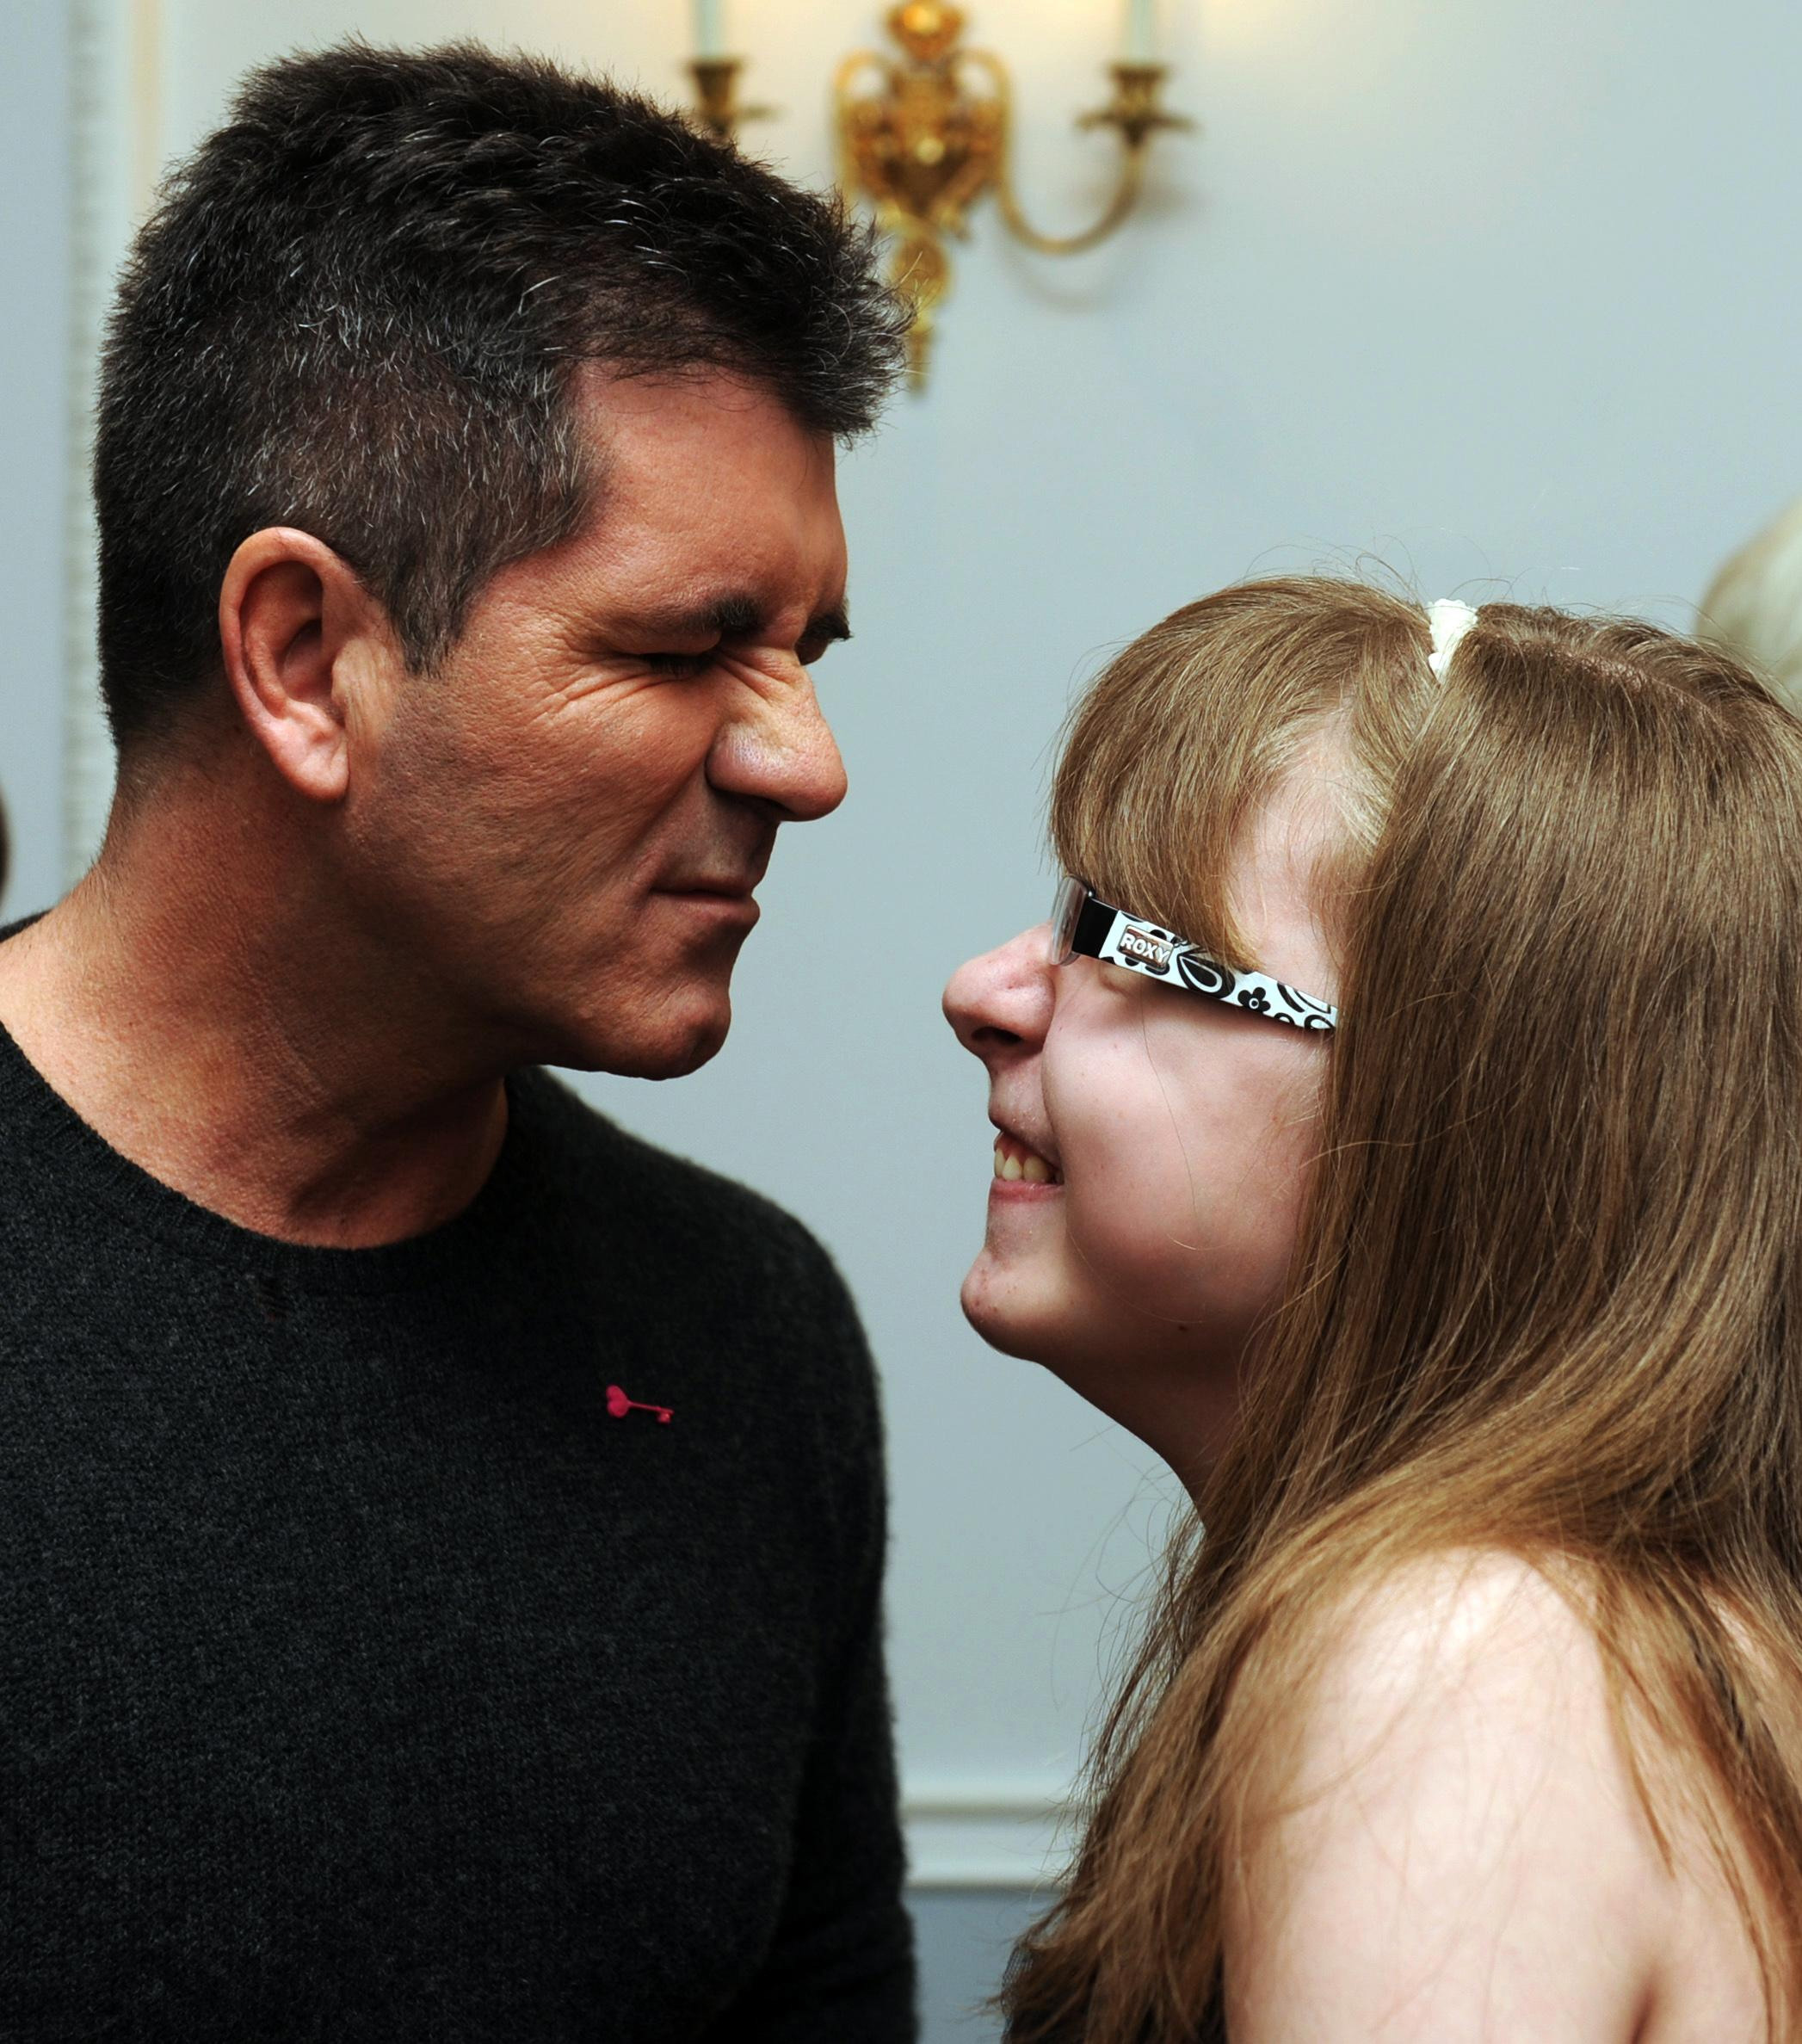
(358,310)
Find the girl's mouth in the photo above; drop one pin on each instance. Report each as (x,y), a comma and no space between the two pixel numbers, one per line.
(1016,1163)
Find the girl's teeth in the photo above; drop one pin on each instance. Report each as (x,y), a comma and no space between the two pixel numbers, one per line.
(1032,1168)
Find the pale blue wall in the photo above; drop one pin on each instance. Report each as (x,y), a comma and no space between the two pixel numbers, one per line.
(1506,292)
(965,1937)
(1505,296)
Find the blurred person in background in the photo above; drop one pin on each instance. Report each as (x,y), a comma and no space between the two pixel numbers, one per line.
(441,1567)
(1753,606)
(1399,1131)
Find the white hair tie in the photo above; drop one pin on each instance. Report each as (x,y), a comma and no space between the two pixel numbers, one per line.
(1450,620)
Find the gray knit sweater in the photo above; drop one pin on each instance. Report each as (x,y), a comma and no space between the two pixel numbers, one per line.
(363,1676)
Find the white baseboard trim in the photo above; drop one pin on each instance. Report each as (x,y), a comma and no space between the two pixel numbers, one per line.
(983,1838)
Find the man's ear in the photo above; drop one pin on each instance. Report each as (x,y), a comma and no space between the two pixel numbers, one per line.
(297,629)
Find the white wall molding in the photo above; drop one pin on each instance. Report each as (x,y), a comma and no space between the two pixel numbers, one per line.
(115,65)
(979,1836)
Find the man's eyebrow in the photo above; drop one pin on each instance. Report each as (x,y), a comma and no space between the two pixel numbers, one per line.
(731,617)
(829,625)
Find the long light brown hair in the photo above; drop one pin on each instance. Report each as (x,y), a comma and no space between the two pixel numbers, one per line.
(1546,1298)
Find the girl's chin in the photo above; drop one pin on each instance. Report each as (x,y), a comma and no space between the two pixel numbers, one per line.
(1001,1306)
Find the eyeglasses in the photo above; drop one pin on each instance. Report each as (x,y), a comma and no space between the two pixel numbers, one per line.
(1084,925)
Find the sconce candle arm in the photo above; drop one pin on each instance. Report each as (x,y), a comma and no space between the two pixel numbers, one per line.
(1136,116)
(718,107)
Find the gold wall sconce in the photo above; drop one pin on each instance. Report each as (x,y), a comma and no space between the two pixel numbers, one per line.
(922,136)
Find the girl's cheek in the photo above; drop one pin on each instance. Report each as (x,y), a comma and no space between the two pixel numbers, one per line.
(1131,1219)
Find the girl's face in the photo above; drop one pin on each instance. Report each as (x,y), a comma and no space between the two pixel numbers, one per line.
(1153,1152)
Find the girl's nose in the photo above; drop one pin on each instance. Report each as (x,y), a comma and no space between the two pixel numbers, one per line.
(1001,1002)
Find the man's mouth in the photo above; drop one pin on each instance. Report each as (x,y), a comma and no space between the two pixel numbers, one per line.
(715,909)
(1015,1162)
(726,890)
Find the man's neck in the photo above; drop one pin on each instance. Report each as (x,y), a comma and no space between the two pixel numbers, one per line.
(221,1027)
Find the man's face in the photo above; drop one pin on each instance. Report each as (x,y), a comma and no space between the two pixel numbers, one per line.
(563,826)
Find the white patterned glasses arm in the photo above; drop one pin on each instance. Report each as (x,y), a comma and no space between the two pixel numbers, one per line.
(1085,926)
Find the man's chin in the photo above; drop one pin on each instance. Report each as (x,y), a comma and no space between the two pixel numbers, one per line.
(669,1049)
(700,1051)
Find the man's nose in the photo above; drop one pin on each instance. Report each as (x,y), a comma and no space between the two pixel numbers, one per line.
(779,749)
(1000,1005)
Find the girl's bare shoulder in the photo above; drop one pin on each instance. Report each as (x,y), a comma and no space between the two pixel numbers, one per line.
(1449,1842)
